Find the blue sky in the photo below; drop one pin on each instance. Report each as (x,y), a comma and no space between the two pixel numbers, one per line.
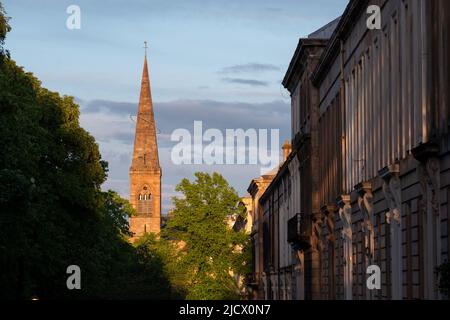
(206,58)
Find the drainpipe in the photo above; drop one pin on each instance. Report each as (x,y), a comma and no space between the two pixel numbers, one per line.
(427,119)
(343,117)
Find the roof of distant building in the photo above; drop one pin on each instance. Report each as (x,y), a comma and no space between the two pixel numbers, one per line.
(326,31)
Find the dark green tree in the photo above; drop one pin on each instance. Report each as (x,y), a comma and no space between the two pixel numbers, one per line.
(4,29)
(53,213)
(444,278)
(166,251)
(213,254)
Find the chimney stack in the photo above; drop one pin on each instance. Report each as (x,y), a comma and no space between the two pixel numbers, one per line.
(287,149)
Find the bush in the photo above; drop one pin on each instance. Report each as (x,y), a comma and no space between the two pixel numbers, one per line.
(444,278)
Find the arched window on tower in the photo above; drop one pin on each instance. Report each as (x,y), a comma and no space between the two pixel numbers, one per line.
(145,204)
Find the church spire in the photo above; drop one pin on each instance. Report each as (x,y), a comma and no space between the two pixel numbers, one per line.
(145,154)
(145,172)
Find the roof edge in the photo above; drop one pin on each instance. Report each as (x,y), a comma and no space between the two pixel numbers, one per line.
(353,10)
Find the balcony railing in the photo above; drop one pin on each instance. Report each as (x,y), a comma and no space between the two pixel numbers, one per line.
(252,279)
(297,233)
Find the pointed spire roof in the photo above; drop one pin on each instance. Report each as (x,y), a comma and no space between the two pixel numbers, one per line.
(145,153)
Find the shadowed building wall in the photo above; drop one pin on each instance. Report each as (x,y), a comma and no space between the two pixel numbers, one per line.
(373,148)
(384,99)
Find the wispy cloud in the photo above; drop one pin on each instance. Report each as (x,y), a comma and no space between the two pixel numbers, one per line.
(248,82)
(273,9)
(110,123)
(115,107)
(249,68)
(110,120)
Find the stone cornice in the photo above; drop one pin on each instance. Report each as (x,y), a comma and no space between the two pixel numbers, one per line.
(297,64)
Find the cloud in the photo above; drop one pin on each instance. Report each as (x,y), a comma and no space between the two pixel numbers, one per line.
(249,82)
(249,68)
(116,107)
(273,9)
(109,122)
(114,122)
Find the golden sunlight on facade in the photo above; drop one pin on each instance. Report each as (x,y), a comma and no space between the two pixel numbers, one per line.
(367,182)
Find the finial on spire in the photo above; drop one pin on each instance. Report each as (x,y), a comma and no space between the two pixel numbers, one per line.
(145,47)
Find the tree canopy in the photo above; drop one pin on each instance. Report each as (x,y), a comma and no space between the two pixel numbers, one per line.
(444,278)
(4,28)
(213,254)
(53,213)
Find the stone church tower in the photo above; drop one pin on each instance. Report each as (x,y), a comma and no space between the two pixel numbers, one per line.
(145,172)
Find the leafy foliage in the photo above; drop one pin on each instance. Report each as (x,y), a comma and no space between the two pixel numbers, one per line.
(212,252)
(168,254)
(4,29)
(444,278)
(52,211)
